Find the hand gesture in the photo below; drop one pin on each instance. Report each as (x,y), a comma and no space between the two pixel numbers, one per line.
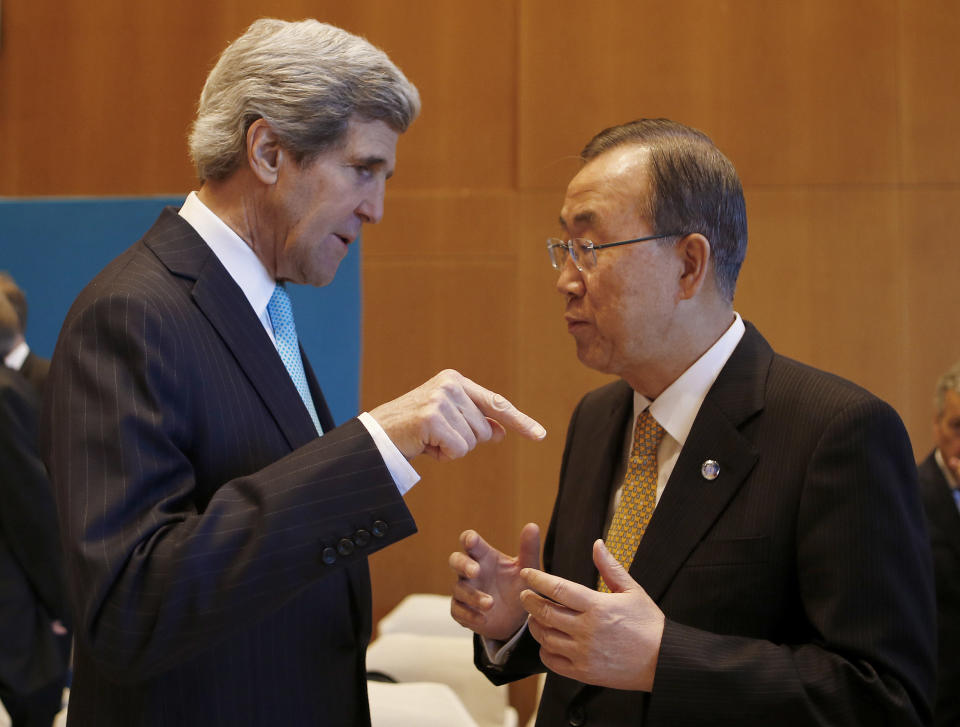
(448,415)
(486,596)
(608,639)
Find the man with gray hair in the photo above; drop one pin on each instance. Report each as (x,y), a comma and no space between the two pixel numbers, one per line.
(217,523)
(940,488)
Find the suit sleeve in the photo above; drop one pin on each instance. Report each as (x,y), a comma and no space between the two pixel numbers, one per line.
(865,582)
(524,660)
(163,563)
(28,518)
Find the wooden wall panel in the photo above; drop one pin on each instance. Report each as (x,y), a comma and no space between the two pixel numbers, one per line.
(793,92)
(97,98)
(930,90)
(932,270)
(823,280)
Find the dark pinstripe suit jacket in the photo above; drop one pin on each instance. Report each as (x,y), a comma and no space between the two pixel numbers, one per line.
(943,522)
(216,547)
(797,585)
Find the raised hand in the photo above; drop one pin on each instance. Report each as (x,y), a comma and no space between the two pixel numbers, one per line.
(448,415)
(486,596)
(609,639)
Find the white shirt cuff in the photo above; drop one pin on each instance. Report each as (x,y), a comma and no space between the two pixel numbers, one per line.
(498,651)
(404,475)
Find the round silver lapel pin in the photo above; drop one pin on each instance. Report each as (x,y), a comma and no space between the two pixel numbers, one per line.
(710,469)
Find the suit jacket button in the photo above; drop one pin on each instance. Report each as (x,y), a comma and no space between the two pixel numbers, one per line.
(345,546)
(576,716)
(329,556)
(361,538)
(379,528)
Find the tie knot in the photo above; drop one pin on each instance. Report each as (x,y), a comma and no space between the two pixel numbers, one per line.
(647,434)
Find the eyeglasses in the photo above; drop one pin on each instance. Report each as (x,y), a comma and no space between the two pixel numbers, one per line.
(584,252)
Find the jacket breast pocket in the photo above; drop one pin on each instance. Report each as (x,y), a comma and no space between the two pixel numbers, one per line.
(735,551)
(725,586)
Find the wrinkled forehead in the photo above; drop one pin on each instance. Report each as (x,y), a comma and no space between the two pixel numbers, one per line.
(614,184)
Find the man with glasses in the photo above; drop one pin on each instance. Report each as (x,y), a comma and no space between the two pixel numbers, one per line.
(737,538)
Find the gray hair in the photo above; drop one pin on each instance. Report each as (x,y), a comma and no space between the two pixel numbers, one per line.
(307,80)
(693,187)
(950,381)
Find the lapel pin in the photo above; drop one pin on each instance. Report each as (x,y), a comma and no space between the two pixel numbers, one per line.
(710,469)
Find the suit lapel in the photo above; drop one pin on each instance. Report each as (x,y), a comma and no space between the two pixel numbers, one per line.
(220,299)
(944,510)
(597,467)
(690,503)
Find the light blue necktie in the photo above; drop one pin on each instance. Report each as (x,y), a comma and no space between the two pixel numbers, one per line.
(284,330)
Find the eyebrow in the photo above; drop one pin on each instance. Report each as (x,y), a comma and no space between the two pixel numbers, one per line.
(372,161)
(588,217)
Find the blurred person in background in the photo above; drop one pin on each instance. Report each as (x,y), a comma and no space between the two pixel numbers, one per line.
(940,487)
(34,636)
(20,357)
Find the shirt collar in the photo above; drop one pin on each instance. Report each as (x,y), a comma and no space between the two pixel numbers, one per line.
(232,251)
(17,355)
(947,474)
(678,404)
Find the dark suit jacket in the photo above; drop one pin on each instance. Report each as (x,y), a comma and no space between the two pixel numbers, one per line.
(797,585)
(216,547)
(943,524)
(35,369)
(32,590)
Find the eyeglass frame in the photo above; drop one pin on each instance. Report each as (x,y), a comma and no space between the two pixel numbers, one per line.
(593,247)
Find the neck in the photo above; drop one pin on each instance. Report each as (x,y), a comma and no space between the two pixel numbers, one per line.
(235,201)
(684,343)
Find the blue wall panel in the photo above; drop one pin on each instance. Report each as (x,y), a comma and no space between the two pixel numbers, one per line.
(53,247)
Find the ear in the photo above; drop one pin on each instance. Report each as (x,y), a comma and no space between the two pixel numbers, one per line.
(264,152)
(694,253)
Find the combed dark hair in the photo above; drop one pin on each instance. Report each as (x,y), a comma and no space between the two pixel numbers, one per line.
(693,188)
(307,80)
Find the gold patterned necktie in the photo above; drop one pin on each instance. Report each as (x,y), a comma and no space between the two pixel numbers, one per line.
(639,495)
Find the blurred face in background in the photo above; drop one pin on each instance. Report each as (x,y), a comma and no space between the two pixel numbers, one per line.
(946,432)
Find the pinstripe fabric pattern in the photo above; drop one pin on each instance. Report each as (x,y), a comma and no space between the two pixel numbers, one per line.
(796,585)
(196,501)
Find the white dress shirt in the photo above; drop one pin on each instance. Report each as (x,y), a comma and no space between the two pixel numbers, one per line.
(17,355)
(248,272)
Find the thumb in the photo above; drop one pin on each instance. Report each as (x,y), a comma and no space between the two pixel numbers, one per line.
(611,570)
(529,555)
(473,545)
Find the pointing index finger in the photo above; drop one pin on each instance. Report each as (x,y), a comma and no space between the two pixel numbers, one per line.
(495,406)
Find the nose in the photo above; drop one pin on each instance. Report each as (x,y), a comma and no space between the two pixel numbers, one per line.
(370,209)
(570,283)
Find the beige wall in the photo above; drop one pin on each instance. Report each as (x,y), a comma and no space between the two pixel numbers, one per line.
(840,116)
